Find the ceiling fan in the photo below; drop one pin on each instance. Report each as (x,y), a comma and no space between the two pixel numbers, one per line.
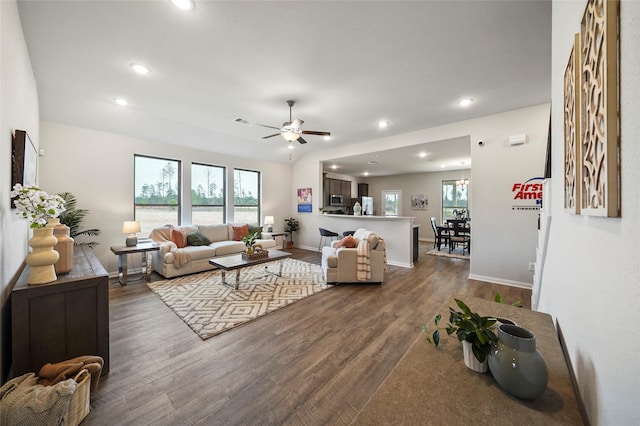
(290,130)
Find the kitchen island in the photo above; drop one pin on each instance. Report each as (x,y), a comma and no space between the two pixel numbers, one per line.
(398,233)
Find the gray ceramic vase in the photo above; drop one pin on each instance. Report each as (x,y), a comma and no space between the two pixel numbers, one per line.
(516,364)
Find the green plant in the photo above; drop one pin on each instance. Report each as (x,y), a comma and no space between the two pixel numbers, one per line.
(249,240)
(73,217)
(469,326)
(292,225)
(498,298)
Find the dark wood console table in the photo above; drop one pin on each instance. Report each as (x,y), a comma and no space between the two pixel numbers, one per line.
(63,319)
(433,386)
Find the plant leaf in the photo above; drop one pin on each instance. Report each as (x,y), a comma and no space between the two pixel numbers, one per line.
(498,298)
(463,306)
(436,338)
(437,319)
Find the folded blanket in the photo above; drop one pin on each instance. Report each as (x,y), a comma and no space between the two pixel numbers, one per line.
(363,257)
(24,402)
(163,236)
(50,374)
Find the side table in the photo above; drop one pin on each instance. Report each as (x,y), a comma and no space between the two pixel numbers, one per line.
(123,251)
(279,234)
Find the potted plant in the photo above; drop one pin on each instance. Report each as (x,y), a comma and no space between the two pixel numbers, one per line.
(474,331)
(249,240)
(292,225)
(73,217)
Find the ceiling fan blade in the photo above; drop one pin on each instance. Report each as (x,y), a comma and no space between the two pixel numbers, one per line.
(251,123)
(269,127)
(301,140)
(270,136)
(313,132)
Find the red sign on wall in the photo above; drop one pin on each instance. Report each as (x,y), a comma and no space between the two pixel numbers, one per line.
(527,195)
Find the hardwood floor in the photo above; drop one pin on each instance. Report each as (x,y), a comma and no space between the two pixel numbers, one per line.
(317,361)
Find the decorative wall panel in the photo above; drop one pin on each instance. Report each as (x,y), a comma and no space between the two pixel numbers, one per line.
(572,130)
(599,110)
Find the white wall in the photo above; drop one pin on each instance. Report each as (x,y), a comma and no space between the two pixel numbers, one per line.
(18,110)
(591,279)
(504,240)
(427,184)
(97,167)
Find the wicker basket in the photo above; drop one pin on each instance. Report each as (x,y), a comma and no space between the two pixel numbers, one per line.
(79,405)
(258,254)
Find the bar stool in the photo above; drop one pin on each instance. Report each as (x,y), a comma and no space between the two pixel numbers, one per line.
(324,234)
(347,233)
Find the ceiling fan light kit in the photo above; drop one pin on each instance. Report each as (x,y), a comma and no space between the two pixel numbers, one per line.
(290,130)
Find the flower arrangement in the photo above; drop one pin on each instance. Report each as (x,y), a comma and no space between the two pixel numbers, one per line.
(35,205)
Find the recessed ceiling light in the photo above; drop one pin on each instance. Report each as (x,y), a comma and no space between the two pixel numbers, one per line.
(188,5)
(290,145)
(465,102)
(121,101)
(366,173)
(422,154)
(139,68)
(383,124)
(442,166)
(334,166)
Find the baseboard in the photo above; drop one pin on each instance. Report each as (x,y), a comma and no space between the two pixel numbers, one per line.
(494,280)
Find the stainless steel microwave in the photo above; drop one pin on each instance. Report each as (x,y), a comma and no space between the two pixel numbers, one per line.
(335,200)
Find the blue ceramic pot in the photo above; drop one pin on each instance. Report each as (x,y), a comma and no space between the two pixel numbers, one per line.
(516,364)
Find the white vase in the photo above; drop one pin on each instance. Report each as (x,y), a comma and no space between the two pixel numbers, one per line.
(470,359)
(64,247)
(42,257)
(357,209)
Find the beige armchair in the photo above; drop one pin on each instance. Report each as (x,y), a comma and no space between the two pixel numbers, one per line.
(340,264)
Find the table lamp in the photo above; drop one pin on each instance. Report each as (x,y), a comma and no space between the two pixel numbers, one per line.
(269,221)
(131,227)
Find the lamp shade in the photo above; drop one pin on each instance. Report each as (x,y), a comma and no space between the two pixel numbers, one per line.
(130,227)
(290,136)
(269,221)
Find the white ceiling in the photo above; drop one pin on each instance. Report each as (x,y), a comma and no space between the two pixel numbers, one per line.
(347,64)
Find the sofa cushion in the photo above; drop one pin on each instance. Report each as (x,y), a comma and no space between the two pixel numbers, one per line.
(197,239)
(215,232)
(240,231)
(254,229)
(179,237)
(224,248)
(348,242)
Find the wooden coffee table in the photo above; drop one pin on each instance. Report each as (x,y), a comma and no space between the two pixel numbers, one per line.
(237,262)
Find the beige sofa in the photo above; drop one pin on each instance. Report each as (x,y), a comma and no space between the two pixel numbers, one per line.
(171,261)
(340,265)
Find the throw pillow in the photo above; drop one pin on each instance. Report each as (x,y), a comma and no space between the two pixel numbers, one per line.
(253,229)
(347,242)
(197,239)
(240,231)
(179,237)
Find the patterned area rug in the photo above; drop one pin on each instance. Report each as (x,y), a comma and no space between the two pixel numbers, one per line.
(210,307)
(444,252)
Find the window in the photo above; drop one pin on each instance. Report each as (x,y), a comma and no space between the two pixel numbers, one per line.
(246,196)
(208,189)
(392,201)
(454,200)
(157,192)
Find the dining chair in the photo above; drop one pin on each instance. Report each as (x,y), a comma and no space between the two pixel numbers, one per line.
(460,237)
(441,234)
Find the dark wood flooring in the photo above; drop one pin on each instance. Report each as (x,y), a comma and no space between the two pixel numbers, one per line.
(315,362)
